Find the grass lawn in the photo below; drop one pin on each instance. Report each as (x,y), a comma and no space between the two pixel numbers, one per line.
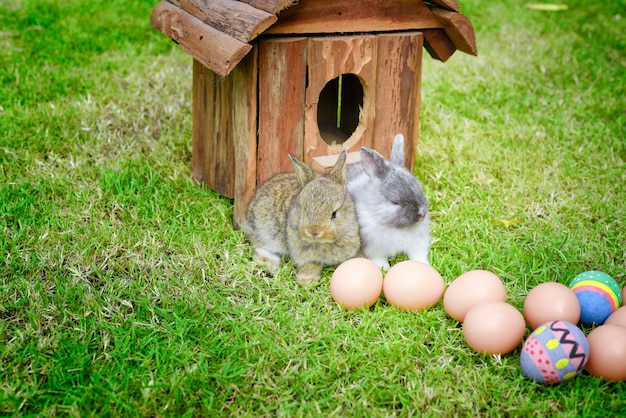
(125,291)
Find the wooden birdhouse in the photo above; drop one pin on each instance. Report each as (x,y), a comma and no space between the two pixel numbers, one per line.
(308,77)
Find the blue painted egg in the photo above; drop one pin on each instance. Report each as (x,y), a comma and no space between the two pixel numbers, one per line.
(598,295)
(554,352)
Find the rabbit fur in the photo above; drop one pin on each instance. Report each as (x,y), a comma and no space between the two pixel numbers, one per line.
(392,209)
(306,216)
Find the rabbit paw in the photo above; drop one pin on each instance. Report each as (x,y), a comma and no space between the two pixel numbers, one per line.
(419,254)
(269,260)
(309,273)
(381,262)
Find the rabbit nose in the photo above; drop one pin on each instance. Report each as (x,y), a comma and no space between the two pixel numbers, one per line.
(314,232)
(418,217)
(420,214)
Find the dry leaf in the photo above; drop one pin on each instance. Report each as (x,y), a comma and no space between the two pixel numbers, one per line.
(507,222)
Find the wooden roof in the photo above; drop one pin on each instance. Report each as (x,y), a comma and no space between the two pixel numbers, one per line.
(218,33)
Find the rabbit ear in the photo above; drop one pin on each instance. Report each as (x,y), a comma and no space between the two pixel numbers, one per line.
(373,164)
(338,173)
(303,171)
(397,151)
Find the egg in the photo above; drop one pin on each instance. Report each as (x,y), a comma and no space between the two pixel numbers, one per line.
(554,352)
(493,328)
(412,285)
(598,295)
(618,317)
(356,283)
(469,289)
(550,302)
(607,346)
(624,296)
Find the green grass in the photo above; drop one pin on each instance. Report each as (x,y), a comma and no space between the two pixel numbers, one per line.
(125,291)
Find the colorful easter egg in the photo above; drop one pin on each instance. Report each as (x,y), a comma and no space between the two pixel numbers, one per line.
(554,352)
(598,295)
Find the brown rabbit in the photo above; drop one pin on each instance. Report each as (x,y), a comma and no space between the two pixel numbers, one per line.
(306,216)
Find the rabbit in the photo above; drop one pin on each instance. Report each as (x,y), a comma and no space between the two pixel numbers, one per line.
(392,210)
(306,216)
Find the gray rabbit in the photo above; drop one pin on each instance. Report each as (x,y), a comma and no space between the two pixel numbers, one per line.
(306,216)
(392,210)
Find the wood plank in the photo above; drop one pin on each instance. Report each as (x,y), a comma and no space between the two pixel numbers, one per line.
(398,83)
(438,45)
(212,131)
(329,57)
(325,163)
(452,5)
(348,16)
(198,122)
(214,49)
(271,6)
(234,18)
(245,107)
(282,83)
(459,29)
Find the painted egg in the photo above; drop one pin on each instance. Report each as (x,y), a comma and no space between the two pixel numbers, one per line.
(598,295)
(554,352)
(608,352)
(412,285)
(551,301)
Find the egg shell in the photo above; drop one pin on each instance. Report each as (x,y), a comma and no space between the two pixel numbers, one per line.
(551,301)
(356,283)
(607,359)
(554,352)
(413,285)
(598,295)
(493,328)
(617,318)
(624,296)
(471,288)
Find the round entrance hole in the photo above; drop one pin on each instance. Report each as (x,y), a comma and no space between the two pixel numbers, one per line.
(339,108)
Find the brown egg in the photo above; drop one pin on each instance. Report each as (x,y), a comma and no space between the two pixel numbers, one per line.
(551,302)
(356,283)
(412,285)
(607,352)
(470,288)
(493,328)
(624,296)
(618,317)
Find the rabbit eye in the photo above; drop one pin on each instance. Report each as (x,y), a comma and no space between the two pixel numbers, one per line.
(333,215)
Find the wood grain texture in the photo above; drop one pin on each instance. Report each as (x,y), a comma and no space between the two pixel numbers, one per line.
(329,57)
(452,5)
(282,83)
(212,48)
(398,83)
(438,44)
(325,163)
(212,135)
(271,6)
(245,107)
(198,121)
(459,29)
(348,16)
(234,18)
